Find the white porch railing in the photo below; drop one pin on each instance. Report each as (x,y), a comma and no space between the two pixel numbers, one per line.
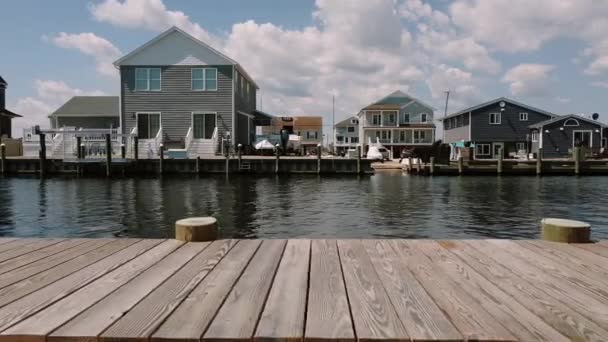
(214,139)
(158,140)
(189,137)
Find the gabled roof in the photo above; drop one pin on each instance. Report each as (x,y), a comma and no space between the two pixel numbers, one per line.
(89,106)
(485,104)
(565,117)
(200,53)
(8,113)
(396,100)
(347,122)
(3,82)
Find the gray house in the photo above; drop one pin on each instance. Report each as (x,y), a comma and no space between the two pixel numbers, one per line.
(182,93)
(346,134)
(89,112)
(558,136)
(6,116)
(491,127)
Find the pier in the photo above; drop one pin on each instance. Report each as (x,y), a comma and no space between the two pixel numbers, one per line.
(314,290)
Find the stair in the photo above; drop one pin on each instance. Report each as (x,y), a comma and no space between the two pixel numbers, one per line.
(201,148)
(146,149)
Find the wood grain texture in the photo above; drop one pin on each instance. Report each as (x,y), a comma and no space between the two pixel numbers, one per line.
(29,248)
(565,320)
(577,259)
(328,316)
(16,244)
(23,260)
(421,317)
(596,248)
(238,316)
(374,316)
(31,304)
(97,318)
(463,309)
(522,323)
(285,309)
(49,319)
(139,323)
(192,317)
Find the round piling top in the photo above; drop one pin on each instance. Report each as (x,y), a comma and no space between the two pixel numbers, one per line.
(196,229)
(562,230)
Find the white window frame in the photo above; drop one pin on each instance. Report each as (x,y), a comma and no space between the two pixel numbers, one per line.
(497,116)
(147,79)
(204,79)
(160,121)
(488,146)
(349,128)
(571,120)
(520,146)
(583,131)
(201,113)
(535,136)
(425,116)
(354,140)
(523,116)
(379,116)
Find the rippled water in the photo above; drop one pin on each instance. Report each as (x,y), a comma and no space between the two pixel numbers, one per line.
(383,205)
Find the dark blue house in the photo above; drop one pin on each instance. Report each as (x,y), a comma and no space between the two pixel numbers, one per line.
(558,136)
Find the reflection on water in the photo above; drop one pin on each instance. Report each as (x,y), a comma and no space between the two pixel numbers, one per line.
(384,205)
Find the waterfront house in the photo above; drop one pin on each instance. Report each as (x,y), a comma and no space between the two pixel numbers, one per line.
(180,92)
(346,135)
(87,112)
(6,116)
(497,126)
(308,129)
(558,136)
(399,121)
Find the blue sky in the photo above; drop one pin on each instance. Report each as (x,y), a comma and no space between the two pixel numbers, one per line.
(549,54)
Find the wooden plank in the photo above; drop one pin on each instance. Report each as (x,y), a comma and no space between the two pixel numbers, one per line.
(16,244)
(39,266)
(237,318)
(7,240)
(328,316)
(97,318)
(576,258)
(464,310)
(421,317)
(29,258)
(24,287)
(285,310)
(373,315)
(599,249)
(38,326)
(524,325)
(36,245)
(192,317)
(31,304)
(139,323)
(565,320)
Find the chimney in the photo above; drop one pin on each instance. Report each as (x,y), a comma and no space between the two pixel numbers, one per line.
(3,85)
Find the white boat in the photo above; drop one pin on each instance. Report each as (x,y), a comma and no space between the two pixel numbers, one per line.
(376,151)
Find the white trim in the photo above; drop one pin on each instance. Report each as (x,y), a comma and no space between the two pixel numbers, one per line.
(571,119)
(525,116)
(233,114)
(246,114)
(160,121)
(485,104)
(483,154)
(148,79)
(583,131)
(197,112)
(533,134)
(493,151)
(498,116)
(204,79)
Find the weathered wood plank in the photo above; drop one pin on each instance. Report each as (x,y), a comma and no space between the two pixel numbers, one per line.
(596,248)
(7,240)
(421,317)
(328,316)
(238,316)
(41,265)
(522,323)
(97,318)
(192,317)
(285,310)
(43,253)
(575,258)
(16,244)
(31,304)
(36,327)
(139,323)
(24,287)
(464,310)
(29,248)
(373,315)
(565,320)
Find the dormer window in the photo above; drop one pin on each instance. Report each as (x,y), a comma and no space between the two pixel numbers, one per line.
(204,79)
(147,79)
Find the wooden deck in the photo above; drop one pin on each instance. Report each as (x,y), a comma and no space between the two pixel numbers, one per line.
(318,290)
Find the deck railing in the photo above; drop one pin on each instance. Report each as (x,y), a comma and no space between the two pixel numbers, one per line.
(189,137)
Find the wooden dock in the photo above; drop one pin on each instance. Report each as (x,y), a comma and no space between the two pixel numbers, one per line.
(294,290)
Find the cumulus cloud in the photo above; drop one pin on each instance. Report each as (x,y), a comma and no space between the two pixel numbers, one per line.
(102,50)
(531,80)
(461,84)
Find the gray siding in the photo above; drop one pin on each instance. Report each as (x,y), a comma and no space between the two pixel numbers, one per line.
(244,102)
(85,122)
(556,143)
(415,110)
(176,101)
(456,134)
(510,129)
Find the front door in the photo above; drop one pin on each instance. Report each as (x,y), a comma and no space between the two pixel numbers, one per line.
(582,138)
(203,125)
(148,125)
(497,149)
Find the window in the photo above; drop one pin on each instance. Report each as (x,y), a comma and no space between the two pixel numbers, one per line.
(203,125)
(419,137)
(376,119)
(312,135)
(520,146)
(350,129)
(523,116)
(466,119)
(242,85)
(354,121)
(391,117)
(346,140)
(383,135)
(448,124)
(482,149)
(494,118)
(406,118)
(204,79)
(147,79)
(534,136)
(354,140)
(571,122)
(459,121)
(423,117)
(582,138)
(604,142)
(340,139)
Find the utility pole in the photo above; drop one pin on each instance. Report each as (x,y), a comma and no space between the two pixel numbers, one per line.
(445,113)
(333,121)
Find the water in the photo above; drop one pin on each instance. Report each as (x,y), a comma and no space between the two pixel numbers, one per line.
(387,205)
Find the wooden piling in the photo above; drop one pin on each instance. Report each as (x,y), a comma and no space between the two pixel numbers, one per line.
(539,162)
(460,165)
(197,166)
(123,151)
(276,163)
(318,159)
(3,159)
(135,148)
(358,159)
(410,165)
(419,166)
(240,155)
(569,231)
(227,166)
(577,160)
(499,162)
(196,229)
(108,155)
(432,166)
(42,155)
(162,158)
(78,147)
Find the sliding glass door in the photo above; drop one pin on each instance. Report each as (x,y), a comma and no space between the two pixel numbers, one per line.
(148,125)
(203,125)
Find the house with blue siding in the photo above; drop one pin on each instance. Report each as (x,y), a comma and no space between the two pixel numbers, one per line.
(179,92)
(499,126)
(398,121)
(557,137)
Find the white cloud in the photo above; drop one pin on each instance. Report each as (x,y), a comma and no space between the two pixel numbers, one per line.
(461,84)
(51,94)
(600,84)
(532,80)
(104,52)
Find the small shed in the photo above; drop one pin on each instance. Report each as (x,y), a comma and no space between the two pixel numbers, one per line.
(87,112)
(558,136)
